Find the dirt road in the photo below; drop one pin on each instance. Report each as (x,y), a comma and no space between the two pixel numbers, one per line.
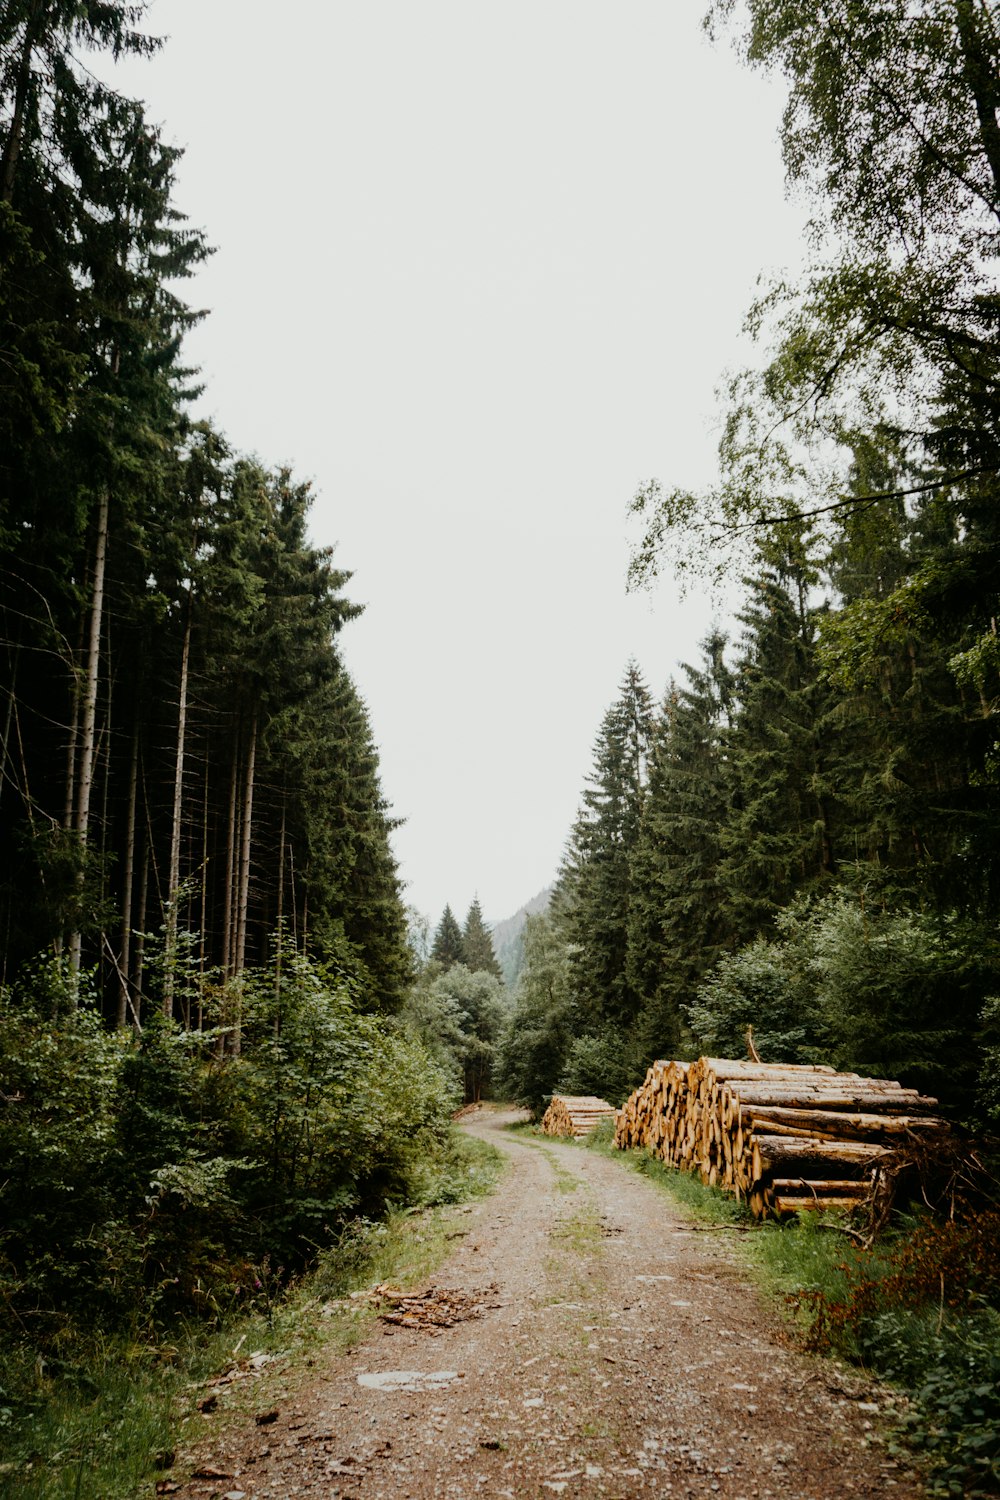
(620,1351)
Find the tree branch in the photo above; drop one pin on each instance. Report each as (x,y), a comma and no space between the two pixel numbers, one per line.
(862,502)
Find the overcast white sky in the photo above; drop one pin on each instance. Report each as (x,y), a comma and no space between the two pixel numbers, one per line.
(480,268)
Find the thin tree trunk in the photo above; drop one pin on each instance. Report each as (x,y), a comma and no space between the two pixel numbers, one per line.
(244,887)
(280,925)
(140,941)
(102,757)
(227,911)
(81,821)
(245,832)
(128,878)
(73,739)
(291,879)
(174,879)
(15,136)
(9,716)
(203,922)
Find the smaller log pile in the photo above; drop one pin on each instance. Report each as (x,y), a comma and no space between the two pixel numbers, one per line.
(575,1116)
(780,1137)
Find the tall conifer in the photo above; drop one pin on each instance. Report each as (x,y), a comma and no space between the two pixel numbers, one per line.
(477,944)
(595,886)
(448,947)
(676,926)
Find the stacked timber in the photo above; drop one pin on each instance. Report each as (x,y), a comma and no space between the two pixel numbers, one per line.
(575,1116)
(779,1136)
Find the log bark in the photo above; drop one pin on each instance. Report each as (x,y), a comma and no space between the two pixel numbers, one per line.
(782,1155)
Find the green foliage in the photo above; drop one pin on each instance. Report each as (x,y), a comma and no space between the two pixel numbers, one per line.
(595,885)
(151,1177)
(888,993)
(91,1420)
(923,1309)
(448,947)
(769,986)
(59,1244)
(989,1074)
(458,1016)
(601,1063)
(676,917)
(543,1021)
(777,838)
(477,943)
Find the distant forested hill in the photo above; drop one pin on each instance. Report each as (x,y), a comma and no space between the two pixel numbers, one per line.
(508,936)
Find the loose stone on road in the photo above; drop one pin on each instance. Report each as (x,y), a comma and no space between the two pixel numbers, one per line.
(621,1351)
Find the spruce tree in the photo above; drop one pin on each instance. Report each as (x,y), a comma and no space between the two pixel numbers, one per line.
(448,947)
(595,887)
(777,838)
(477,944)
(676,923)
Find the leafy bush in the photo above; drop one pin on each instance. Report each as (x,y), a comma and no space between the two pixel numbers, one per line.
(599,1062)
(147,1178)
(540,1030)
(888,993)
(771,987)
(923,1309)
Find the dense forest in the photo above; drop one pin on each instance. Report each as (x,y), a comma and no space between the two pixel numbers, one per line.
(202,931)
(802,835)
(223,1038)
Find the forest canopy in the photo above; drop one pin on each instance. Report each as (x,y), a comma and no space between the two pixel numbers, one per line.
(802,837)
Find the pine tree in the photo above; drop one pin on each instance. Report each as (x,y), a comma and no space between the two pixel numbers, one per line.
(448,947)
(916,768)
(595,887)
(777,838)
(477,944)
(676,924)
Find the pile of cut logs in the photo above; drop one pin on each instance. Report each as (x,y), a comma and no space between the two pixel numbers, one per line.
(575,1116)
(781,1137)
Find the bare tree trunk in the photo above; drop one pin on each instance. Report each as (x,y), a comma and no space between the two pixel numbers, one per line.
(81,820)
(73,739)
(203,921)
(244,885)
(228,925)
(174,878)
(102,761)
(15,660)
(245,832)
(128,878)
(295,914)
(140,941)
(280,930)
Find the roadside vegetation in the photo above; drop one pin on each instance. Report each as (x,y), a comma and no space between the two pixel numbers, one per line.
(116,1406)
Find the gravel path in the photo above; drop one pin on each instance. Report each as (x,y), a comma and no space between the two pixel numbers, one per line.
(621,1351)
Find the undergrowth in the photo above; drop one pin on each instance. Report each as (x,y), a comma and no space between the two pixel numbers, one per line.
(95,1421)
